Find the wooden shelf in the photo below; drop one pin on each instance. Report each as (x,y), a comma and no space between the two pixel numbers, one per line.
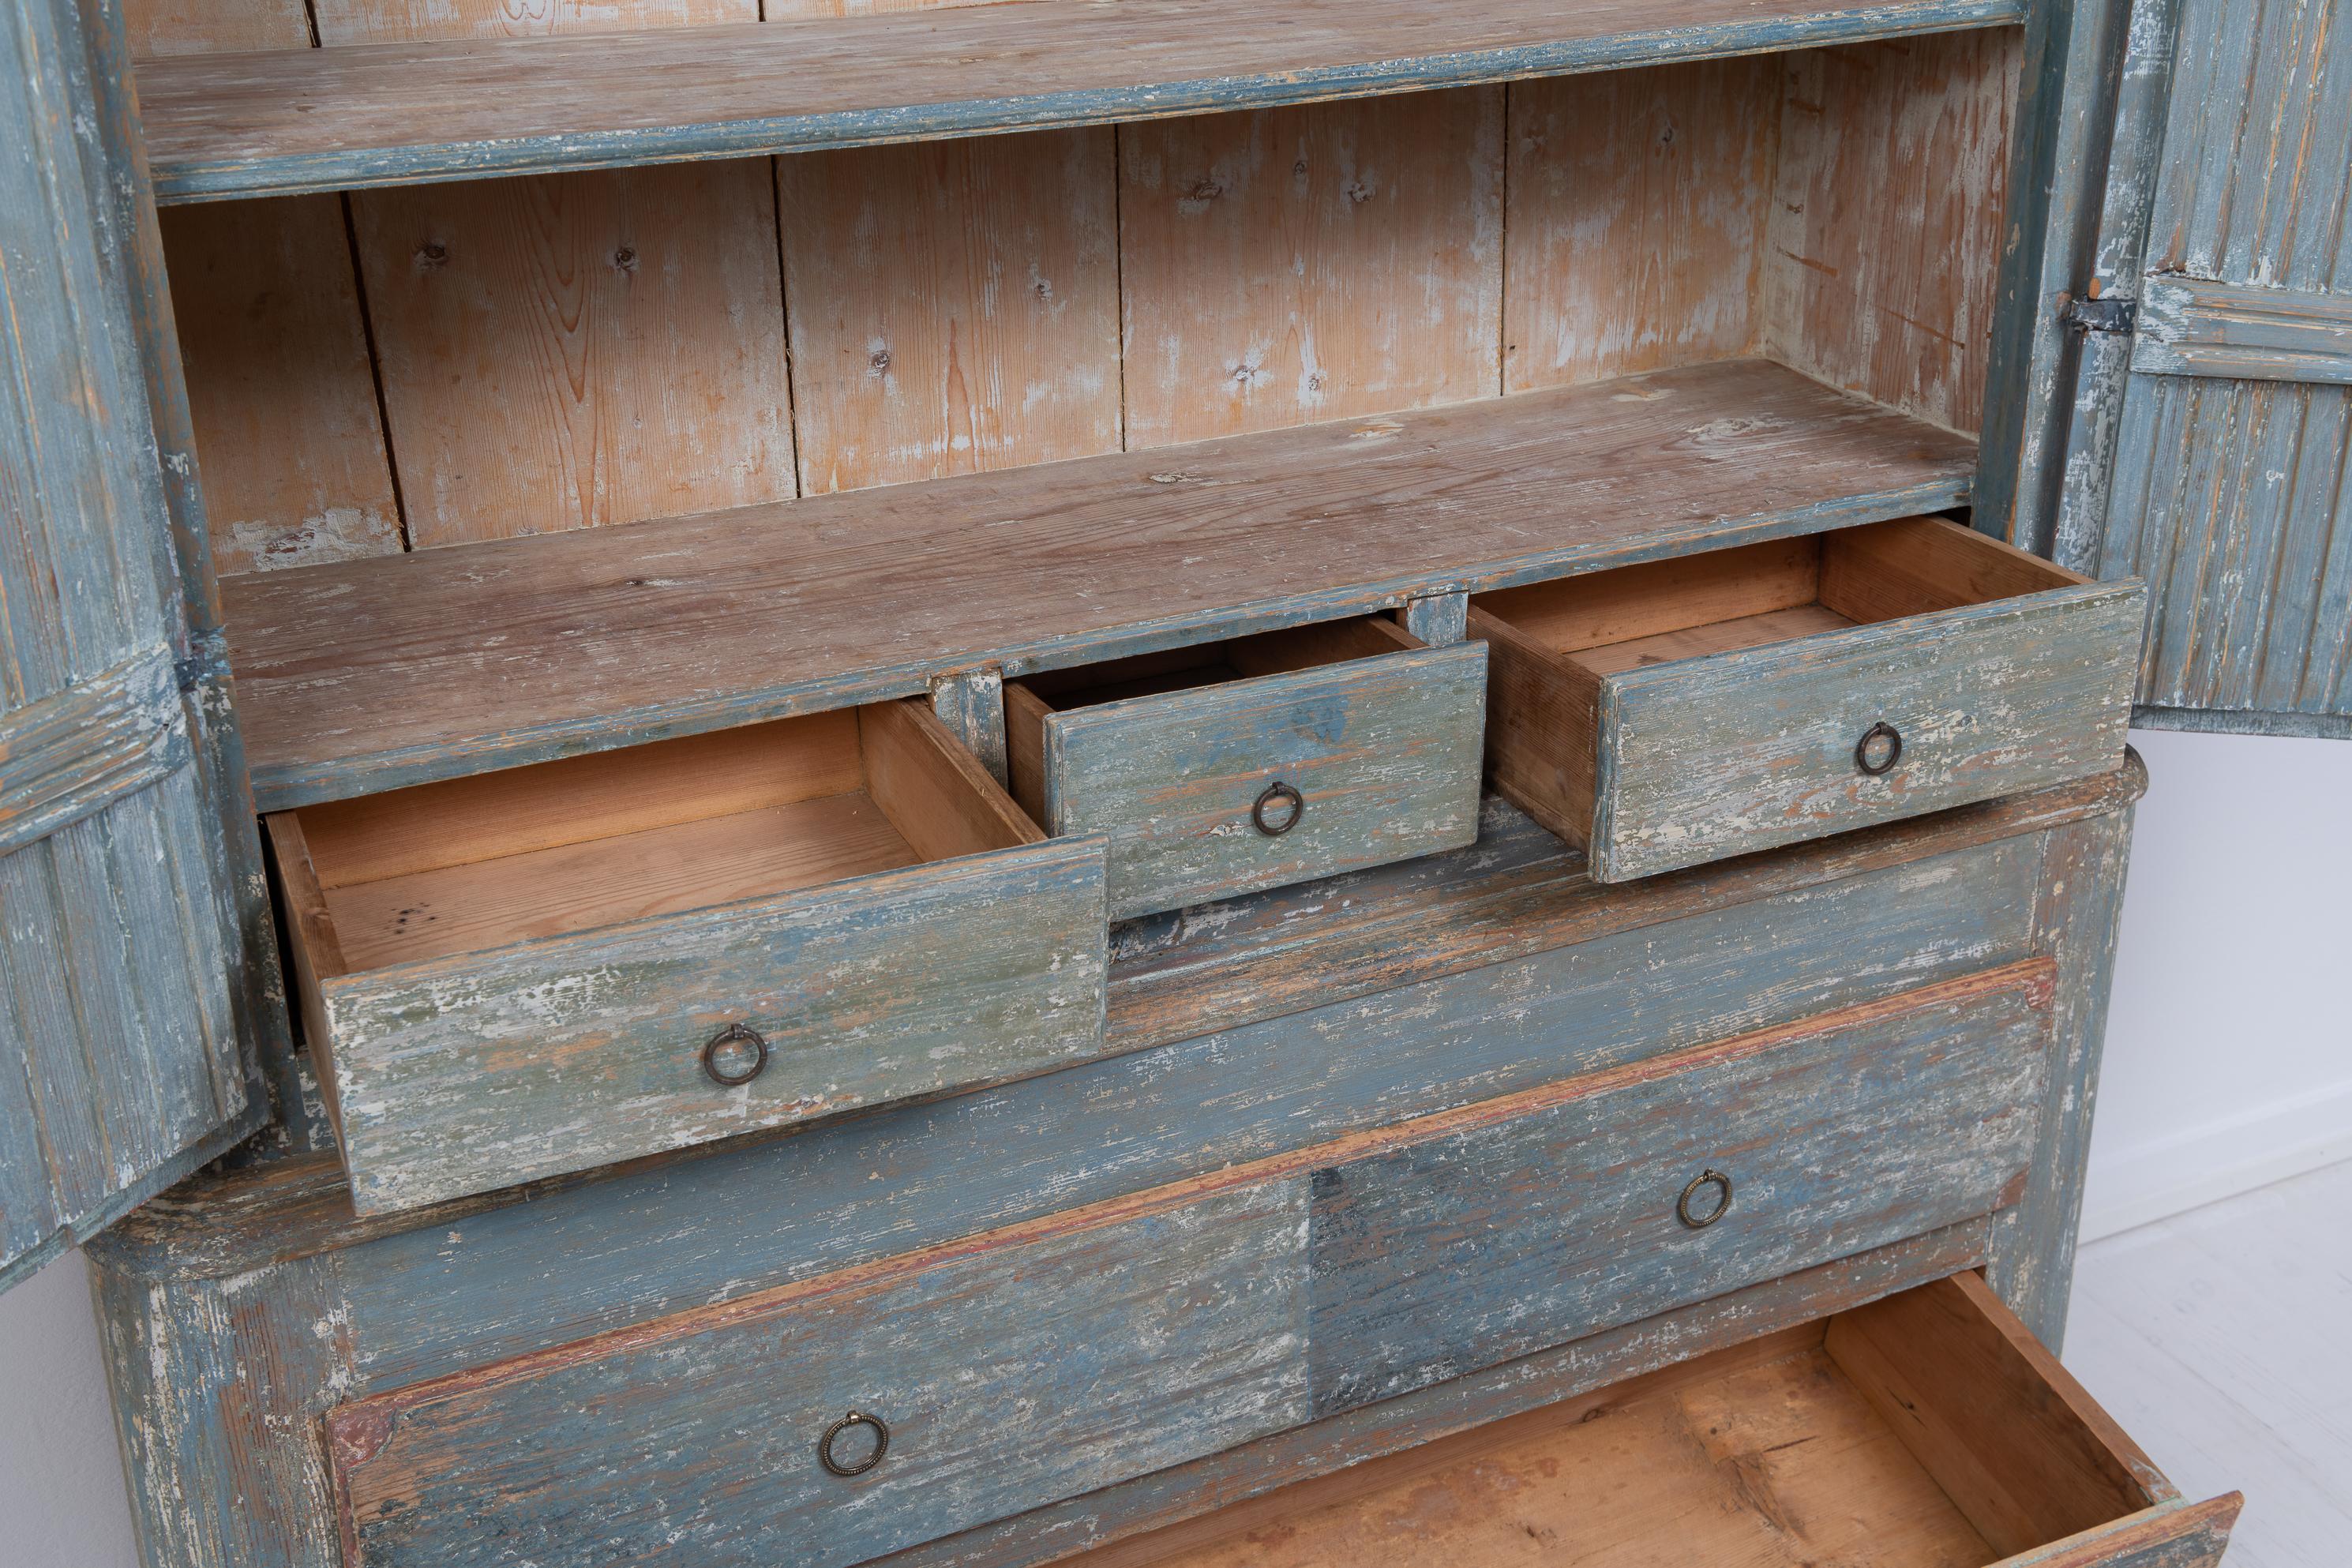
(368,675)
(373,114)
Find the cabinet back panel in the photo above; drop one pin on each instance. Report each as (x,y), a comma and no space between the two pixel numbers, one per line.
(572,351)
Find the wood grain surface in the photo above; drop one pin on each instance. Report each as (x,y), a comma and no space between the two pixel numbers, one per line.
(1297,265)
(367,675)
(1638,202)
(953,306)
(1886,229)
(280,384)
(565,352)
(398,113)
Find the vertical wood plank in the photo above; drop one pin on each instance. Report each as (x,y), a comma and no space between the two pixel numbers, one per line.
(970,704)
(380,21)
(578,350)
(2075,915)
(1638,202)
(206,26)
(1297,265)
(1885,231)
(280,386)
(953,306)
(1439,620)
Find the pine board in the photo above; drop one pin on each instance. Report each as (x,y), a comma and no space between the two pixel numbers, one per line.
(582,350)
(953,306)
(1637,214)
(1322,262)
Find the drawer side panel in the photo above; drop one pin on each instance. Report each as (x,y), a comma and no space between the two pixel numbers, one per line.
(478,1072)
(1385,750)
(1708,758)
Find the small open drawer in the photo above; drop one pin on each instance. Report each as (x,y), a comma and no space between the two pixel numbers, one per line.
(1694,708)
(1926,1430)
(1233,766)
(556,967)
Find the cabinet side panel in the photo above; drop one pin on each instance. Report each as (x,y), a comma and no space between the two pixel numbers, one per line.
(1886,234)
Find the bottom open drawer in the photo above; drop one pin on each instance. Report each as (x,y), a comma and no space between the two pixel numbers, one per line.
(1926,1430)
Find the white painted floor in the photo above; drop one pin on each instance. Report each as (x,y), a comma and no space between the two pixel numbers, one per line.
(2221,1339)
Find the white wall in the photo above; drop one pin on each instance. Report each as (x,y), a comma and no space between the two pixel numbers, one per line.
(2228,1057)
(2228,1064)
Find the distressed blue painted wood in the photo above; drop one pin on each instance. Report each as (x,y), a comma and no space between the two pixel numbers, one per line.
(459,1075)
(2188,326)
(1835,1135)
(398,114)
(203,1289)
(1381,745)
(2207,451)
(1010,1373)
(1701,758)
(122,919)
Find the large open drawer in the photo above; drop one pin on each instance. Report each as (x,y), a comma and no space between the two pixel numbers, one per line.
(556,967)
(1926,1430)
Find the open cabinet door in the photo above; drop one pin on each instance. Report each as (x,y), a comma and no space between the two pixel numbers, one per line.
(134,964)
(2212,409)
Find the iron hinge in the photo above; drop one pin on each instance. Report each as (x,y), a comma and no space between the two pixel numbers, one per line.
(2112,313)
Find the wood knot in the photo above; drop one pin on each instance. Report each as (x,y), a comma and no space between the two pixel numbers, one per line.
(1207,190)
(433,253)
(878,360)
(1359,192)
(625,258)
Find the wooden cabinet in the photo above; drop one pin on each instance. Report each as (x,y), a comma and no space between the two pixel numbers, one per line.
(873,648)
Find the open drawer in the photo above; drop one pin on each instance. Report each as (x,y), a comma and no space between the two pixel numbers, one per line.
(1233,766)
(556,967)
(1926,1430)
(1694,708)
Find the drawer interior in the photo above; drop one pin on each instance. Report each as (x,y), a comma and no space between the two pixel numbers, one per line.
(1212,664)
(593,841)
(1689,606)
(1926,1430)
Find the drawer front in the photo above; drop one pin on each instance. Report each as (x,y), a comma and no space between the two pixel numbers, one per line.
(1703,759)
(1829,1138)
(1067,1353)
(1385,753)
(1007,1377)
(462,1075)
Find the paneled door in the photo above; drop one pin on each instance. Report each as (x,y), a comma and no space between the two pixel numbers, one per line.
(134,964)
(2212,415)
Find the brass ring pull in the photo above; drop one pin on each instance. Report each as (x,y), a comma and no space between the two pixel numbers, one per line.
(1880,748)
(735,1034)
(1703,1179)
(854,1467)
(1274,792)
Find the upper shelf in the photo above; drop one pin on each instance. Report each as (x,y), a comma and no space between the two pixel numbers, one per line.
(403,113)
(369,675)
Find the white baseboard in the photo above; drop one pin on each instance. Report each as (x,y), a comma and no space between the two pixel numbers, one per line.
(2200,1166)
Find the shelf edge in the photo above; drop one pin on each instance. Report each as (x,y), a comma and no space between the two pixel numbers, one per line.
(187,181)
